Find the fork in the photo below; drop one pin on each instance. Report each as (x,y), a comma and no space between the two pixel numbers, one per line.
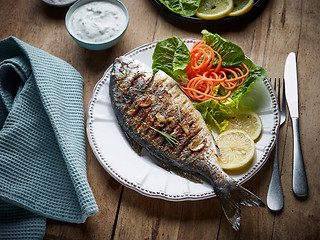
(275,192)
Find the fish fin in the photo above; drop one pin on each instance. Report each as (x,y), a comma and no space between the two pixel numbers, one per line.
(231,199)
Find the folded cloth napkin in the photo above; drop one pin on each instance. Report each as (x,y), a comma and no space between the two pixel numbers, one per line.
(42,142)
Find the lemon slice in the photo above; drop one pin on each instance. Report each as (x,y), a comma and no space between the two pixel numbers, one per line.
(247,121)
(237,149)
(214,9)
(241,7)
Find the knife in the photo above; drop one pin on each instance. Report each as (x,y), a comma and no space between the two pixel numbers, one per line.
(299,177)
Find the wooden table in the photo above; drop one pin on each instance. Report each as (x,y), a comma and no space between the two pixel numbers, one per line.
(282,27)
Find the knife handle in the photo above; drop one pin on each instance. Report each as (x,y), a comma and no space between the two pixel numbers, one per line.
(299,177)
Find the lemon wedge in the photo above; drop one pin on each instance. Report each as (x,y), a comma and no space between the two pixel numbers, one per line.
(237,149)
(247,121)
(214,9)
(241,7)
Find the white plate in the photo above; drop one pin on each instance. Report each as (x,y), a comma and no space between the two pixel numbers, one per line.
(140,172)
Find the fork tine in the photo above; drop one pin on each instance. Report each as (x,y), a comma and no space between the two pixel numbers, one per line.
(279,94)
(276,87)
(274,84)
(284,104)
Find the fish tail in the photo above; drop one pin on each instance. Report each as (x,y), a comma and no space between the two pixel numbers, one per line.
(232,197)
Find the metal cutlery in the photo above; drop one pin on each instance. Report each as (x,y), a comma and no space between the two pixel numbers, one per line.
(299,177)
(275,192)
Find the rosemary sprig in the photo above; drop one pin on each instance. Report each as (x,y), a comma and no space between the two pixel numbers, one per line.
(172,141)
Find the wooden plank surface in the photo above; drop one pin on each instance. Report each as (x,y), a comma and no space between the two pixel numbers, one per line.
(282,27)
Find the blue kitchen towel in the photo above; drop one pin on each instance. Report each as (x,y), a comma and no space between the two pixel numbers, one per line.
(42,142)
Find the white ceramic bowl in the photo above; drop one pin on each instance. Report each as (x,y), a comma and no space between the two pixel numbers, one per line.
(59,3)
(101,45)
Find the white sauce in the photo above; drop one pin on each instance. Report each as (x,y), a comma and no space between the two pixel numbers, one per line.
(97,22)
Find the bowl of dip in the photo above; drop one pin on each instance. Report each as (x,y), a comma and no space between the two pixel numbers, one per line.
(97,25)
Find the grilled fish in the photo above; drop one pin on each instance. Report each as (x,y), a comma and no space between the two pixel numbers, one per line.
(158,115)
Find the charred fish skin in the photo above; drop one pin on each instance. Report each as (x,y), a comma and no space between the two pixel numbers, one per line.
(154,112)
(131,90)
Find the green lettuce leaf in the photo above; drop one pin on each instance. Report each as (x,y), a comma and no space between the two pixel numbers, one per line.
(216,113)
(231,53)
(171,56)
(183,7)
(257,74)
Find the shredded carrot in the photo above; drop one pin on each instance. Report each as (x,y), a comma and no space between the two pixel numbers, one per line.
(204,76)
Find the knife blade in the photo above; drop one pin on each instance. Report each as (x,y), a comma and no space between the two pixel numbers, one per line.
(291,82)
(299,177)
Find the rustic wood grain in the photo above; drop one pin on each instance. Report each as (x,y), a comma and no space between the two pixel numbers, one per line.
(282,27)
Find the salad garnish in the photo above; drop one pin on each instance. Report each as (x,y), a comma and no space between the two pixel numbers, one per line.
(220,101)
(206,79)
